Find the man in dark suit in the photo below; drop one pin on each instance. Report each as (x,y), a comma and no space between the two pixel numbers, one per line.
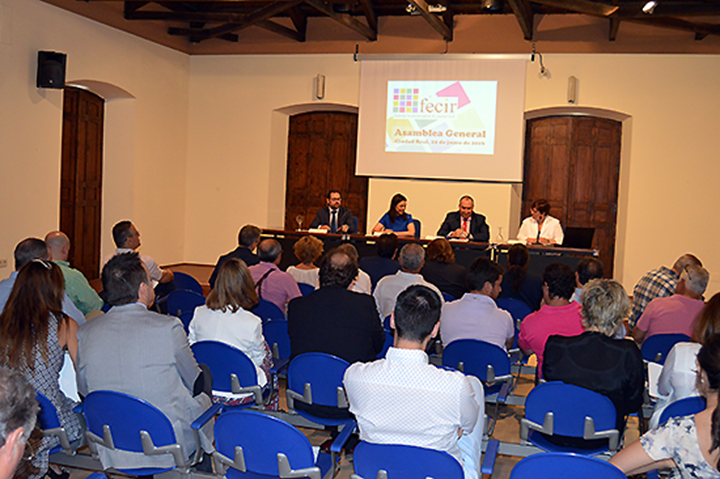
(248,239)
(465,223)
(333,319)
(334,218)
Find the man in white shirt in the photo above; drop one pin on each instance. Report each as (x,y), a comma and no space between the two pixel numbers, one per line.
(475,315)
(412,259)
(403,399)
(127,240)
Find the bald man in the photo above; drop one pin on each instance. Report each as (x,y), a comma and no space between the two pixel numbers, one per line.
(76,285)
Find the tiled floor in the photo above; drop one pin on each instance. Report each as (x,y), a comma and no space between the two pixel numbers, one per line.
(507,430)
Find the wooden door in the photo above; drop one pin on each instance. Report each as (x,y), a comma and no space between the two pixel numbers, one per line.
(81,178)
(321,156)
(574,163)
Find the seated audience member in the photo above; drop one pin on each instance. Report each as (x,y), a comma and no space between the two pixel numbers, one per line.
(689,443)
(518,283)
(441,269)
(557,316)
(540,228)
(33,333)
(676,313)
(334,218)
(307,249)
(396,219)
(77,287)
(465,223)
(679,373)
(127,240)
(226,318)
(18,412)
(248,239)
(333,319)
(27,250)
(362,283)
(587,269)
(475,315)
(403,399)
(595,360)
(144,354)
(271,283)
(412,259)
(384,264)
(658,283)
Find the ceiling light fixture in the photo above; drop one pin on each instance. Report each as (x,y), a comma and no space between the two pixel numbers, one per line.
(649,7)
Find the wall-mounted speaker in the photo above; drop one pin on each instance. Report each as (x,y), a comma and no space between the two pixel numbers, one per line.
(51,70)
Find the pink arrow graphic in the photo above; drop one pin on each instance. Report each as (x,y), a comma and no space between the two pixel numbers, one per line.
(455,90)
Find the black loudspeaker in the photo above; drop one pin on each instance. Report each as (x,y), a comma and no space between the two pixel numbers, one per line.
(51,70)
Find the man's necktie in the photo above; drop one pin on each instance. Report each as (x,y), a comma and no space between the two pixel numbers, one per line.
(333,222)
(465,227)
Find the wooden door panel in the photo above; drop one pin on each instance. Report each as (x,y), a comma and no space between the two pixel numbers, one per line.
(321,156)
(573,162)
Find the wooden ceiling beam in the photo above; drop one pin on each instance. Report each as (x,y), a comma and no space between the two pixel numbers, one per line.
(369,11)
(187,16)
(700,29)
(282,30)
(585,7)
(671,9)
(614,24)
(433,19)
(524,15)
(257,16)
(344,19)
(299,19)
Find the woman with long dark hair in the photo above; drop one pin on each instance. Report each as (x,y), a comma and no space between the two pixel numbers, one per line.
(34,332)
(518,283)
(690,443)
(396,219)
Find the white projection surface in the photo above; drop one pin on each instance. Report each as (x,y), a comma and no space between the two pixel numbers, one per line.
(445,119)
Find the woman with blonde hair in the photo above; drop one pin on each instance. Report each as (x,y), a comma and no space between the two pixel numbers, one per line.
(225,317)
(307,249)
(34,332)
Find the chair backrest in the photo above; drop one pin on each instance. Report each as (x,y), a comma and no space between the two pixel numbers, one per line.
(185,281)
(47,417)
(267,311)
(407,462)
(569,405)
(656,347)
(448,298)
(516,308)
(276,335)
(126,416)
(389,341)
(261,438)
(386,323)
(560,464)
(682,407)
(182,303)
(474,357)
(418,226)
(225,361)
(323,372)
(305,288)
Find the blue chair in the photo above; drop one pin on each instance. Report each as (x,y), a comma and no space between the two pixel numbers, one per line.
(276,335)
(268,311)
(317,379)
(556,408)
(254,445)
(407,462)
(356,224)
(123,422)
(518,310)
(305,288)
(232,370)
(656,347)
(448,298)
(553,465)
(49,423)
(389,341)
(418,227)
(182,303)
(185,281)
(487,362)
